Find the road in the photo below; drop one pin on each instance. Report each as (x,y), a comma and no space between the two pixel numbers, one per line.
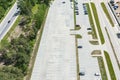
(5,25)
(56,57)
(87,63)
(105,23)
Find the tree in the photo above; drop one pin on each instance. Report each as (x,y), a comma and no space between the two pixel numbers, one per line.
(2,11)
(25,7)
(10,73)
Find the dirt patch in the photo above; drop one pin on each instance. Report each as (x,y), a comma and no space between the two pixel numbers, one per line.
(16,33)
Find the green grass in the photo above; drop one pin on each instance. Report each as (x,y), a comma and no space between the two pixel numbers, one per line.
(4,40)
(77,27)
(97,22)
(78,36)
(102,68)
(94,42)
(77,59)
(94,35)
(35,9)
(110,66)
(113,48)
(107,13)
(74,14)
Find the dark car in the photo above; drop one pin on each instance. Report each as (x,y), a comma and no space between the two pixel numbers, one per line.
(63,2)
(9,21)
(82,73)
(89,28)
(79,46)
(76,12)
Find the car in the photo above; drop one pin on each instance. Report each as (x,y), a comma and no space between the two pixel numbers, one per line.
(9,21)
(77,13)
(76,8)
(79,46)
(83,3)
(82,73)
(85,12)
(63,2)
(97,74)
(89,28)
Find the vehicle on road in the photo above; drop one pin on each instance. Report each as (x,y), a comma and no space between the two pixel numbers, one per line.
(9,21)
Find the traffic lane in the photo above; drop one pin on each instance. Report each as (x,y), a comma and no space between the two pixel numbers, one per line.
(106,23)
(8,17)
(6,27)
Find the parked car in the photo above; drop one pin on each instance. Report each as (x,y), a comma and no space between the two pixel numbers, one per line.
(97,74)
(76,12)
(82,73)
(89,28)
(79,46)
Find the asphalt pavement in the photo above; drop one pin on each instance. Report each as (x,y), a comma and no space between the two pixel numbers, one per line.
(8,21)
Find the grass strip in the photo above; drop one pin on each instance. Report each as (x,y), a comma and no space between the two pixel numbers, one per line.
(74,13)
(107,13)
(36,47)
(97,22)
(94,35)
(77,58)
(78,36)
(102,68)
(113,48)
(110,67)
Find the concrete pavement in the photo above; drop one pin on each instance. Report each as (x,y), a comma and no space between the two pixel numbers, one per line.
(56,57)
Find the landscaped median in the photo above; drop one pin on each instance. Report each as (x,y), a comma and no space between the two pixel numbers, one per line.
(107,13)
(97,22)
(94,35)
(102,68)
(110,66)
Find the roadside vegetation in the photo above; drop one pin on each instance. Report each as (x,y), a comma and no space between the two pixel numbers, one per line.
(96,52)
(102,68)
(97,22)
(107,13)
(77,59)
(113,48)
(94,42)
(110,66)
(94,35)
(77,27)
(78,36)
(15,52)
(5,5)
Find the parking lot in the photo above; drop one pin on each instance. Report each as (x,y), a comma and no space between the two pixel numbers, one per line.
(88,64)
(56,57)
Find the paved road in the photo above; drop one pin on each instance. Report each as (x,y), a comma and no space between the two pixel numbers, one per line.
(105,23)
(4,25)
(56,57)
(87,63)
